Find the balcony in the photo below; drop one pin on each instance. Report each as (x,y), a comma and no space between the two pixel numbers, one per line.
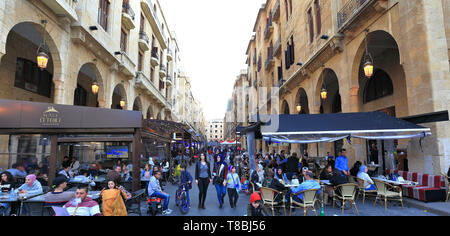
(128,17)
(63,8)
(254,59)
(269,29)
(154,60)
(169,55)
(144,41)
(277,48)
(270,62)
(147,9)
(145,84)
(357,10)
(126,66)
(276,11)
(162,71)
(169,80)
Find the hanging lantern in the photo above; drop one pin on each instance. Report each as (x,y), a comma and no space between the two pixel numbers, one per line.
(299,108)
(95,88)
(122,103)
(42,60)
(368,68)
(323,94)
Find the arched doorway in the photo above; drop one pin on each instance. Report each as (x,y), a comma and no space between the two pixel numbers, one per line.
(385,91)
(302,99)
(150,114)
(119,94)
(137,105)
(285,108)
(84,95)
(20,76)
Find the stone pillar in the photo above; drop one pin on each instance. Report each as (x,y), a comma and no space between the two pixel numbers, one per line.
(58,92)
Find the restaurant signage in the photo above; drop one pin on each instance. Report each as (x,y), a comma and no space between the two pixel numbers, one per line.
(50,117)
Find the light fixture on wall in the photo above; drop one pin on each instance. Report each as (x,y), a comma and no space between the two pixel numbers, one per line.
(323,92)
(95,87)
(42,57)
(122,102)
(368,65)
(299,108)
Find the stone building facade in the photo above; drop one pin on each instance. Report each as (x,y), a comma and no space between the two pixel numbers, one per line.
(302,47)
(126,46)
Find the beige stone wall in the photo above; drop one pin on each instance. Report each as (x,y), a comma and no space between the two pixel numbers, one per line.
(420,77)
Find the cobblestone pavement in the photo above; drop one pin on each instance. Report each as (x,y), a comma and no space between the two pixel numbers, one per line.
(212,206)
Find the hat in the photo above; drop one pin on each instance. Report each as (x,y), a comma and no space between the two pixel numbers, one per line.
(59,180)
(255,197)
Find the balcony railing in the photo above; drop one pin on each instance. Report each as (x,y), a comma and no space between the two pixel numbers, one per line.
(254,59)
(126,8)
(144,36)
(269,28)
(277,47)
(155,53)
(350,10)
(269,61)
(276,11)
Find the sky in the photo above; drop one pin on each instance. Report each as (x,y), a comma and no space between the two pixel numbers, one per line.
(213,36)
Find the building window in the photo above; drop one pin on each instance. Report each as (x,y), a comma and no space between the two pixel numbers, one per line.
(311,25)
(103,9)
(123,41)
(318,17)
(31,78)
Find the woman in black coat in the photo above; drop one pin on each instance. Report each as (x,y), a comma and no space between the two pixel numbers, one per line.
(202,179)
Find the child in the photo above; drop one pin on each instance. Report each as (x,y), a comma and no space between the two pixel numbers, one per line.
(186,179)
(255,208)
(113,200)
(233,186)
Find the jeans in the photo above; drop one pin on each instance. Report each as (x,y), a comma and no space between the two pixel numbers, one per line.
(233,196)
(221,192)
(165,197)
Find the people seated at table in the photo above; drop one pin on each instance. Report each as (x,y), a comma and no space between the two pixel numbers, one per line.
(308,184)
(58,197)
(342,163)
(292,165)
(355,169)
(146,173)
(282,160)
(279,175)
(18,170)
(42,178)
(93,170)
(125,173)
(368,182)
(154,190)
(7,183)
(75,165)
(327,172)
(66,172)
(338,178)
(257,177)
(302,175)
(31,187)
(276,185)
(330,159)
(113,200)
(82,205)
(114,174)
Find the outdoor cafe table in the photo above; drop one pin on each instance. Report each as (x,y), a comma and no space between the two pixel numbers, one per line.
(41,198)
(7,198)
(396,182)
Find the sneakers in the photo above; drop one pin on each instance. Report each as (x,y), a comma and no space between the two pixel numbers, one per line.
(167,212)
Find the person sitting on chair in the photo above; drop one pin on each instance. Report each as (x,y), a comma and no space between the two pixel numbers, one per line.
(368,182)
(154,190)
(58,197)
(82,205)
(309,183)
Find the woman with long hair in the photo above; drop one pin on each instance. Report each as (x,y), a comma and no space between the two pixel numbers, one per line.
(202,179)
(220,173)
(113,200)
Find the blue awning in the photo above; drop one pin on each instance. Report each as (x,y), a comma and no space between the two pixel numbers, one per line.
(332,127)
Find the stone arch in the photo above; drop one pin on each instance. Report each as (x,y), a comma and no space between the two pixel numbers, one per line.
(118,93)
(30,34)
(328,80)
(137,104)
(87,74)
(302,99)
(149,114)
(285,108)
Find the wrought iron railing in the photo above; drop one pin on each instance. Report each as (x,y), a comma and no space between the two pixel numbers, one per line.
(351,8)
(155,53)
(268,25)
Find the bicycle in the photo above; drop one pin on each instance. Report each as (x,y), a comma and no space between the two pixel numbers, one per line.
(181,199)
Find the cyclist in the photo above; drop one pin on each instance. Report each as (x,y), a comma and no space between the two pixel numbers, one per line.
(186,180)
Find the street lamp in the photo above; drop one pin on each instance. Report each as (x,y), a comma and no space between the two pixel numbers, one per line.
(368,65)
(323,92)
(122,102)
(42,57)
(95,87)
(299,108)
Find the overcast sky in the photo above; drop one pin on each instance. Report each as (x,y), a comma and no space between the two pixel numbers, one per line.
(213,36)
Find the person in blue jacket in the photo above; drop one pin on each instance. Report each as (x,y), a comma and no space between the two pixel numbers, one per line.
(342,163)
(279,175)
(309,183)
(186,180)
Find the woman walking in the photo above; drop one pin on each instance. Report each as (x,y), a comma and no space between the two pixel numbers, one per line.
(220,173)
(202,179)
(233,186)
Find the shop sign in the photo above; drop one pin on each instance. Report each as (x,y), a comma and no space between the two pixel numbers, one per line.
(50,117)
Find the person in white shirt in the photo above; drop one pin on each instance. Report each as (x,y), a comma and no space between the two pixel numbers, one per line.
(75,165)
(368,182)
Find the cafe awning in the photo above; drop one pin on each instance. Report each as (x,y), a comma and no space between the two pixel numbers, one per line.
(318,128)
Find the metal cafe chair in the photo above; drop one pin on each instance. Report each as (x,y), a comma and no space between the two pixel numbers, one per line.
(135,200)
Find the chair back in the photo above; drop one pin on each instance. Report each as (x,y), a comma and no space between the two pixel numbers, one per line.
(348,190)
(360,183)
(381,187)
(309,196)
(267,194)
